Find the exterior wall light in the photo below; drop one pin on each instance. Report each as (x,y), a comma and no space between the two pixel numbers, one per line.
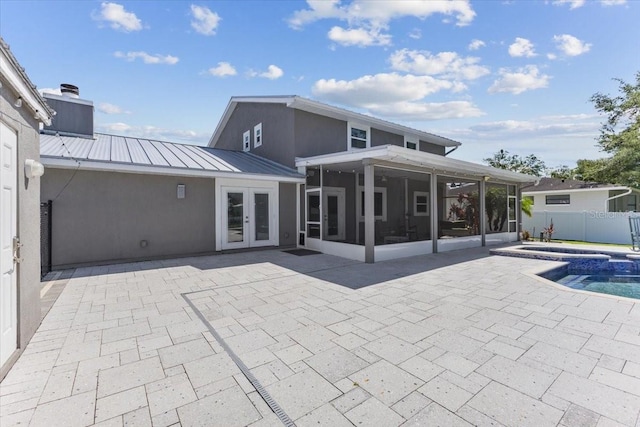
(33,169)
(18,102)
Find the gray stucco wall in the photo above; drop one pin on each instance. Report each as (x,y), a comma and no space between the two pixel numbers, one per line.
(287,219)
(277,131)
(28,271)
(380,137)
(104,216)
(316,135)
(432,148)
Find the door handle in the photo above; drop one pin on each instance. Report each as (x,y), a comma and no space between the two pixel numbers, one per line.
(16,250)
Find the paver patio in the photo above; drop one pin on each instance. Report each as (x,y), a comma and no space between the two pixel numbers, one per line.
(459,338)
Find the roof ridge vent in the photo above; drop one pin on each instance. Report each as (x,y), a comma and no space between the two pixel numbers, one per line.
(69,90)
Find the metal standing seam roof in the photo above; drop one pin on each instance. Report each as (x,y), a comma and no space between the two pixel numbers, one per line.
(120,150)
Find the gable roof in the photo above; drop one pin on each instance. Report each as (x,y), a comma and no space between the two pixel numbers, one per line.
(138,155)
(305,104)
(17,78)
(547,184)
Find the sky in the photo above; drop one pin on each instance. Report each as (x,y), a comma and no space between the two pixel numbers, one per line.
(512,75)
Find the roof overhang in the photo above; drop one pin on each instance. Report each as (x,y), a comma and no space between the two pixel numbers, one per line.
(19,81)
(326,110)
(89,165)
(431,163)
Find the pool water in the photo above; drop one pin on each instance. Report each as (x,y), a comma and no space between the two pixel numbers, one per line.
(607,282)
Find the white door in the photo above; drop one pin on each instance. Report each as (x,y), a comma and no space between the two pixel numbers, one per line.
(248,216)
(333,213)
(8,227)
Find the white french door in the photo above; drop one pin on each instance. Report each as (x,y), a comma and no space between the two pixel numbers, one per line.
(248,217)
(8,228)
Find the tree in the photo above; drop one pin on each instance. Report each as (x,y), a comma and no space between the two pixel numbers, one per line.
(619,136)
(562,172)
(530,165)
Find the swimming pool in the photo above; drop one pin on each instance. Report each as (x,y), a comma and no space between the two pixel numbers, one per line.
(624,284)
(606,272)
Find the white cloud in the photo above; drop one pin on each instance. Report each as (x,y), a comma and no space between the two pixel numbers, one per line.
(223,69)
(426,111)
(476,44)
(117,17)
(153,132)
(106,108)
(552,56)
(204,20)
(147,58)
(570,45)
(368,19)
(613,2)
(358,37)
(524,79)
(395,96)
(415,34)
(273,72)
(573,4)
(444,64)
(522,47)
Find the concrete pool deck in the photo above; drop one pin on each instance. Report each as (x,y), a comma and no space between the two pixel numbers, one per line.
(453,339)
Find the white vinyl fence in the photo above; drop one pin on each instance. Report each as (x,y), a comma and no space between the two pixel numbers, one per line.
(589,226)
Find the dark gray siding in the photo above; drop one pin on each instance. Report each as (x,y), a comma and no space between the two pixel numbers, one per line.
(428,147)
(103,216)
(287,218)
(316,134)
(380,137)
(71,117)
(277,131)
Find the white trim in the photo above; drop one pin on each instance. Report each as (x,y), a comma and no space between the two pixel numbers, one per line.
(455,243)
(246,141)
(499,238)
(344,250)
(403,250)
(360,195)
(432,163)
(417,194)
(569,190)
(17,82)
(410,139)
(158,170)
(358,126)
(257,135)
(326,110)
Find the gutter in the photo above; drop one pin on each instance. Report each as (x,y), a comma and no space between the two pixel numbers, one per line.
(606,202)
(451,151)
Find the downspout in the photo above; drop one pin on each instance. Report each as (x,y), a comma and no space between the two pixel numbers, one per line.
(451,151)
(606,202)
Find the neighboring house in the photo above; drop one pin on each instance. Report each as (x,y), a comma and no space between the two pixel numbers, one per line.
(568,195)
(374,189)
(22,109)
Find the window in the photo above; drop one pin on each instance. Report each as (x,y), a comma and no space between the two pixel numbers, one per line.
(559,199)
(257,135)
(420,203)
(379,203)
(246,141)
(358,136)
(410,143)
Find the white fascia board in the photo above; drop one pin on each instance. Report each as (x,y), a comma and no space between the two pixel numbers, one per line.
(342,114)
(60,163)
(22,88)
(573,190)
(431,162)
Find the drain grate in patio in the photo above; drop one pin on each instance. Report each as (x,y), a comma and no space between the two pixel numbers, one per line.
(302,252)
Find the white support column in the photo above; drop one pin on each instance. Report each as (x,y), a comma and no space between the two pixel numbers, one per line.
(369,213)
(483,213)
(434,211)
(298,185)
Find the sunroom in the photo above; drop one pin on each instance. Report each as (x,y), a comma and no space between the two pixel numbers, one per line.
(391,202)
